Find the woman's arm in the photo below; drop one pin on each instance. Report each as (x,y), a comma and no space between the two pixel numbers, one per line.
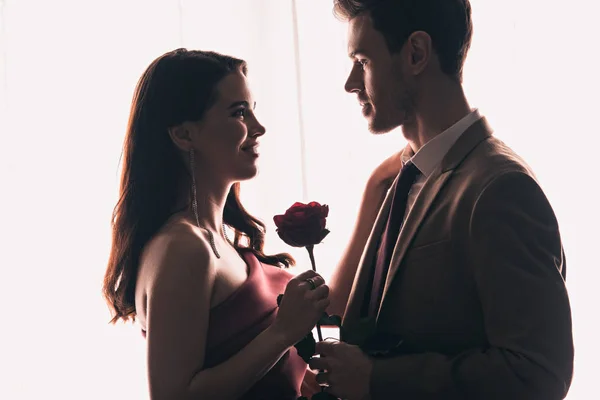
(343,275)
(310,386)
(179,288)
(178,306)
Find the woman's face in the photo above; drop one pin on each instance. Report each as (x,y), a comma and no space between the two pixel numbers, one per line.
(226,139)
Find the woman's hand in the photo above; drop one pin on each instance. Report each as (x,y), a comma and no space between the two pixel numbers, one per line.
(302,305)
(386,172)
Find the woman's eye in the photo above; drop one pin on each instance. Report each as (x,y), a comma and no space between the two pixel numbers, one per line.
(240,113)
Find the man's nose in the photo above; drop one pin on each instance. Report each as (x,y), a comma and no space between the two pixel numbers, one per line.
(354,83)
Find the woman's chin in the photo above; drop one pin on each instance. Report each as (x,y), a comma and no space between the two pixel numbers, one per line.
(248,172)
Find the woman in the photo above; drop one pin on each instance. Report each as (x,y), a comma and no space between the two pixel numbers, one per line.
(206,304)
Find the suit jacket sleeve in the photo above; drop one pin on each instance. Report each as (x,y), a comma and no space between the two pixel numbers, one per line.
(518,266)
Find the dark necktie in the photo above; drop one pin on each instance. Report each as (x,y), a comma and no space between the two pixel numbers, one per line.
(408,175)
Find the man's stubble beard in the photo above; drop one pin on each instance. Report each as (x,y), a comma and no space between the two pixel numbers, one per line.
(402,110)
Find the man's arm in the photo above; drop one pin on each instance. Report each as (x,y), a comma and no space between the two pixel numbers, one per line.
(517,261)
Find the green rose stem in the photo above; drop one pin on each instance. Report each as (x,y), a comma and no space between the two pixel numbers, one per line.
(311,254)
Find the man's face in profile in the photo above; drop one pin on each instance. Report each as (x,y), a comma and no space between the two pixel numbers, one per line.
(377,77)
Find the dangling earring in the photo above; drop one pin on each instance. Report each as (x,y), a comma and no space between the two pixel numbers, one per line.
(195,204)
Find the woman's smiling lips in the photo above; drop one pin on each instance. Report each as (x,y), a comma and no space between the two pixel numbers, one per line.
(251,149)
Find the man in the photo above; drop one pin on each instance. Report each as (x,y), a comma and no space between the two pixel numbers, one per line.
(460,291)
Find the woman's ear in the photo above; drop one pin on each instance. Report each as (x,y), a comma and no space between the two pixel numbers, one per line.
(181,135)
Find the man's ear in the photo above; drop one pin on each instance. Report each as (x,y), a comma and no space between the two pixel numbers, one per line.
(181,135)
(419,52)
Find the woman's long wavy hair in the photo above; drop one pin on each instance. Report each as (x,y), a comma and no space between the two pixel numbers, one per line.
(177,87)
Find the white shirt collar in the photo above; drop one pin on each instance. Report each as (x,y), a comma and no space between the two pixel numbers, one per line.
(433,152)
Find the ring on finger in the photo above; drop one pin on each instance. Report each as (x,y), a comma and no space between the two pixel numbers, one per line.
(322,379)
(311,282)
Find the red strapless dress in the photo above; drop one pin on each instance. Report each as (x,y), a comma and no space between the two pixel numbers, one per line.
(247,312)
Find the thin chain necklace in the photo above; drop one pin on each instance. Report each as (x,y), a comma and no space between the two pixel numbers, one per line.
(211,237)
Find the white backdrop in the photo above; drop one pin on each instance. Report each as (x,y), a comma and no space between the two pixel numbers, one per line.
(67,73)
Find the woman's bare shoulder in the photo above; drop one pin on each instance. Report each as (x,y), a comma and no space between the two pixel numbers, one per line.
(179,255)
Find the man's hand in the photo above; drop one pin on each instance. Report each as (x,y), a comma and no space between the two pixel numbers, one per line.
(347,370)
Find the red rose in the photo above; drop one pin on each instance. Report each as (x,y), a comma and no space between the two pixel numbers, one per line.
(303,224)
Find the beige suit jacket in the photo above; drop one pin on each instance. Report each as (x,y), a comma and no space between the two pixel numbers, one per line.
(475,288)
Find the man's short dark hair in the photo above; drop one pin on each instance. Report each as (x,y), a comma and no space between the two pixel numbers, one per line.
(448,23)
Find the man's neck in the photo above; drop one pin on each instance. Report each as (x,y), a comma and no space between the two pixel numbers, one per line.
(436,112)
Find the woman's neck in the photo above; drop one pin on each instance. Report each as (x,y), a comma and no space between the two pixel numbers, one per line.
(208,207)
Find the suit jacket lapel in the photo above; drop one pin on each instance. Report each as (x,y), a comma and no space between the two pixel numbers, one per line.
(428,193)
(478,132)
(365,267)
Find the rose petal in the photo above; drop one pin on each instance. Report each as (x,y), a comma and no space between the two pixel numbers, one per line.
(303,224)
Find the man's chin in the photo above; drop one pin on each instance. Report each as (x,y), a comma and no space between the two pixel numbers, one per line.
(378,128)
(381,125)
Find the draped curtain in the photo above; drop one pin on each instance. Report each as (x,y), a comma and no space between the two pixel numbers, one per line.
(67,73)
